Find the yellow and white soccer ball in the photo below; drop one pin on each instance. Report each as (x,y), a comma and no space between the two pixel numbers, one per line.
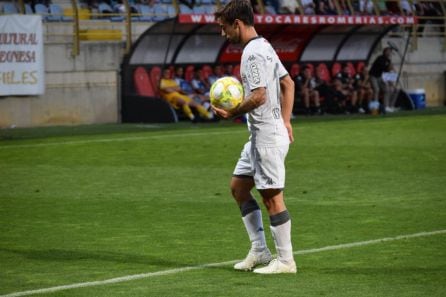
(226,93)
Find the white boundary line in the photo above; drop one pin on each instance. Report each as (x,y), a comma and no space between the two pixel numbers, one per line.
(43,144)
(189,268)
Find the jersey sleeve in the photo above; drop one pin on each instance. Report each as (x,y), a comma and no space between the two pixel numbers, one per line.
(282,70)
(255,71)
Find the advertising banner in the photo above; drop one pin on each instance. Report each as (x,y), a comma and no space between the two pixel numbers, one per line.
(21,55)
(309,19)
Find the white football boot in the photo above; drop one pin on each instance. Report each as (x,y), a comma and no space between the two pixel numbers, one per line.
(253,259)
(275,266)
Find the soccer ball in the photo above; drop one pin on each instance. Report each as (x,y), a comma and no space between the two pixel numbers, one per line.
(226,93)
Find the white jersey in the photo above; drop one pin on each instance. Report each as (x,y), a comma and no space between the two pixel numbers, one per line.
(261,67)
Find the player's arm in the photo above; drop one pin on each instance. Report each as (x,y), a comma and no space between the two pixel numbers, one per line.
(254,100)
(287,101)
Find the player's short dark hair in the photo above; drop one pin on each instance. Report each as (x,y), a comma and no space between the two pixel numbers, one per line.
(236,9)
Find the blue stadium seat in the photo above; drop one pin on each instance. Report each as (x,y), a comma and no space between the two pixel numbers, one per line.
(41,9)
(10,8)
(106,10)
(185,9)
(56,14)
(147,13)
(160,13)
(209,8)
(199,9)
(171,12)
(28,9)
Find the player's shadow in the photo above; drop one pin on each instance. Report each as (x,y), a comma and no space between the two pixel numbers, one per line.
(60,255)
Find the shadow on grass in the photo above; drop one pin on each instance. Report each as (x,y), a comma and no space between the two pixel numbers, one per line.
(59,255)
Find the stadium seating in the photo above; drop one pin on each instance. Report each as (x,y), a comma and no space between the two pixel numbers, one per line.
(147,13)
(199,9)
(189,72)
(57,14)
(336,68)
(143,84)
(160,12)
(10,8)
(155,76)
(41,9)
(185,9)
(106,11)
(359,67)
(294,70)
(28,9)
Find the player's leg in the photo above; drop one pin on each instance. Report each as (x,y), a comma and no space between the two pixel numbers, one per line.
(182,102)
(280,225)
(204,113)
(242,183)
(270,181)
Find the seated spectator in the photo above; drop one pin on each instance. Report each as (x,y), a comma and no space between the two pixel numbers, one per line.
(188,89)
(406,8)
(366,7)
(348,89)
(305,85)
(288,6)
(308,7)
(201,88)
(426,10)
(275,4)
(172,93)
(229,70)
(325,7)
(333,98)
(255,6)
(364,89)
(120,8)
(216,74)
(344,7)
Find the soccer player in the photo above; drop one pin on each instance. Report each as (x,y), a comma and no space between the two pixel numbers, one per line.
(269,96)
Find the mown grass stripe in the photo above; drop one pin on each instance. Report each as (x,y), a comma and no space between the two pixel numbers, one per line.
(204,266)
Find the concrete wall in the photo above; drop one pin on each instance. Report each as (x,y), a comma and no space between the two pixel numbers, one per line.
(79,90)
(424,67)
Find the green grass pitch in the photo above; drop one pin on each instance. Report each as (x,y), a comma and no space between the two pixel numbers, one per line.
(91,203)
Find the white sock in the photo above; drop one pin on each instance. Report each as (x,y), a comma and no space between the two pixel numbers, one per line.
(252,219)
(282,237)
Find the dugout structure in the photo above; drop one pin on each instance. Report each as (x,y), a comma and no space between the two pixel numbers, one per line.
(195,41)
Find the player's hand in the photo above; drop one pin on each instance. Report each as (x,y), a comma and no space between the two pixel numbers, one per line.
(224,114)
(289,128)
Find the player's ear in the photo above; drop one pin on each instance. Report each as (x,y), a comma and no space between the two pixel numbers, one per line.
(236,23)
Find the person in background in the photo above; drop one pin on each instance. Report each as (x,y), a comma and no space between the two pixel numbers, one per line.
(345,76)
(185,85)
(382,64)
(325,7)
(216,74)
(201,88)
(172,93)
(308,7)
(364,89)
(305,85)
